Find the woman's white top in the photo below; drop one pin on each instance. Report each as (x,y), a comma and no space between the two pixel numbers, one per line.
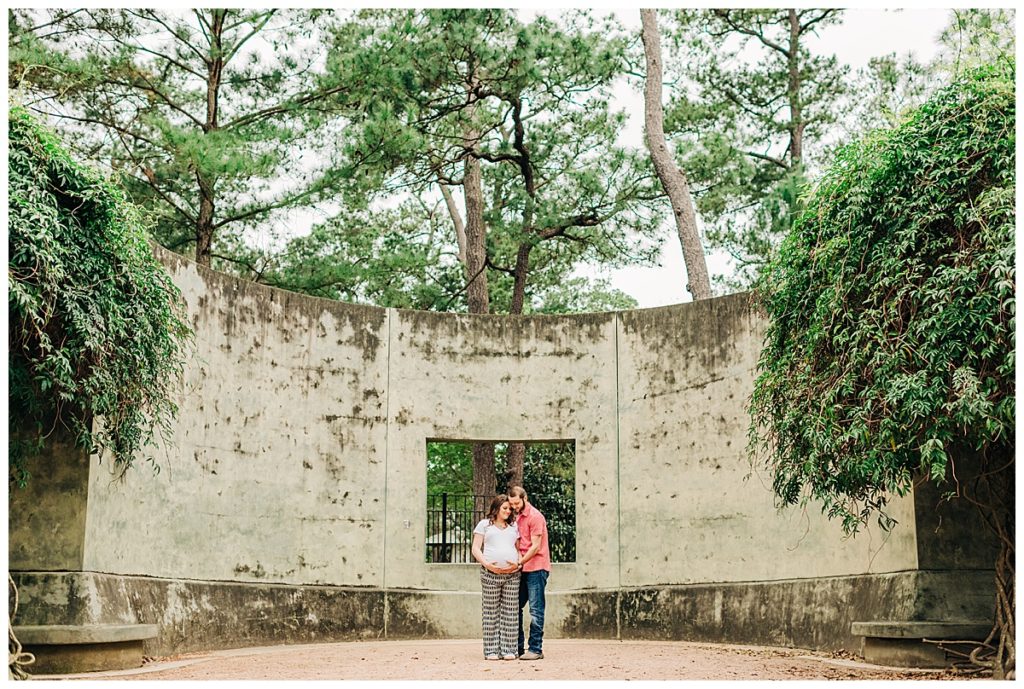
(499,544)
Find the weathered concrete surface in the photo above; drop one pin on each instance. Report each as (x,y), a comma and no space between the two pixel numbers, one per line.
(47,517)
(290,507)
(501,378)
(63,649)
(87,657)
(193,615)
(277,471)
(922,630)
(808,613)
(912,644)
(433,615)
(951,534)
(693,509)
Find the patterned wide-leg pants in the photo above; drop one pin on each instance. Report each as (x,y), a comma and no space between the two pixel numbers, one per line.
(500,612)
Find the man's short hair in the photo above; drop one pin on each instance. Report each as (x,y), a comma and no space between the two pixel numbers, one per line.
(517,492)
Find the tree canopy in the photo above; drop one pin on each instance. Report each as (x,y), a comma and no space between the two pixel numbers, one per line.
(222,119)
(97,329)
(516,116)
(487,139)
(751,105)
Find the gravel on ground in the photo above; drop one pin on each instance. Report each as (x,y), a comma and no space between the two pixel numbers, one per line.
(564,659)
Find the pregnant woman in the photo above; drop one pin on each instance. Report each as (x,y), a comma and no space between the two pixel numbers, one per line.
(494,547)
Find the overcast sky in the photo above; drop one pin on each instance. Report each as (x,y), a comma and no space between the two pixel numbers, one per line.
(864,33)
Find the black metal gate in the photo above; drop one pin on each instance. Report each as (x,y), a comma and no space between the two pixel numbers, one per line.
(451,518)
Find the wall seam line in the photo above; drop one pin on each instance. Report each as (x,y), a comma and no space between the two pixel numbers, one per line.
(618,489)
(387,455)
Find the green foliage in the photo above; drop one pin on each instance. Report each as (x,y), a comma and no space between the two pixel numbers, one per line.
(580,295)
(890,86)
(882,94)
(531,102)
(97,329)
(890,348)
(975,37)
(401,257)
(549,477)
(221,120)
(449,468)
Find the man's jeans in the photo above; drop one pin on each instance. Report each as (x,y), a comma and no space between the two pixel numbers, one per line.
(531,588)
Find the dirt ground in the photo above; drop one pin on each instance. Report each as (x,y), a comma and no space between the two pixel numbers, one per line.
(463,660)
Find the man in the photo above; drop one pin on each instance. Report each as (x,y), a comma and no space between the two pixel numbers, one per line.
(535,560)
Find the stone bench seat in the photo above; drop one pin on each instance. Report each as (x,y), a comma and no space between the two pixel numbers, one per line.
(902,642)
(67,649)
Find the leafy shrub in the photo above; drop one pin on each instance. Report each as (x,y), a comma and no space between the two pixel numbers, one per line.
(890,348)
(97,329)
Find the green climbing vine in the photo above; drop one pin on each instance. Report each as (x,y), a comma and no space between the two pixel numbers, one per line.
(98,333)
(890,353)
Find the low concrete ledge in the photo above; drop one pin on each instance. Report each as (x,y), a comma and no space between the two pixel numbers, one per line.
(66,649)
(902,643)
(971,631)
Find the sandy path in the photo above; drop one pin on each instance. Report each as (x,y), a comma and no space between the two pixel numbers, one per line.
(462,660)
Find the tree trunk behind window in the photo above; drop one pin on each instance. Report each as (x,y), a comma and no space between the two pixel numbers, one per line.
(485,479)
(514,457)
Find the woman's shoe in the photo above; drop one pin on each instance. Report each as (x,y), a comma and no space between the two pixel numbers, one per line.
(493,656)
(509,657)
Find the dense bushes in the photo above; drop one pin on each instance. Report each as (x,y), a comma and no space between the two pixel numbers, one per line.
(891,343)
(890,352)
(97,329)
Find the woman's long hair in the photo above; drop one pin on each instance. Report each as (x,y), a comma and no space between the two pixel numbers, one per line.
(496,504)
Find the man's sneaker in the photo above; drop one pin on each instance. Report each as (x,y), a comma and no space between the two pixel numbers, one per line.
(530,655)
(493,656)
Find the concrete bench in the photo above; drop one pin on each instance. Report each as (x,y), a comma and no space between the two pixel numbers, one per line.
(68,649)
(901,643)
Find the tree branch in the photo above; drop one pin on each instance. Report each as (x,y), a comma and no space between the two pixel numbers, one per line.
(824,15)
(282,107)
(152,16)
(725,15)
(460,227)
(768,158)
(256,29)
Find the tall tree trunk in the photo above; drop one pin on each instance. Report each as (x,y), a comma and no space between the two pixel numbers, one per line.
(672,178)
(515,453)
(207,197)
(484,474)
(485,479)
(460,227)
(522,268)
(515,456)
(204,222)
(796,124)
(522,272)
(476,239)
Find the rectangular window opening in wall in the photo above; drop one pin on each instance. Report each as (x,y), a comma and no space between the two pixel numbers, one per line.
(463,476)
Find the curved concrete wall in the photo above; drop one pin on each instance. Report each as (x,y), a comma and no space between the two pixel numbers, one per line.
(291,503)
